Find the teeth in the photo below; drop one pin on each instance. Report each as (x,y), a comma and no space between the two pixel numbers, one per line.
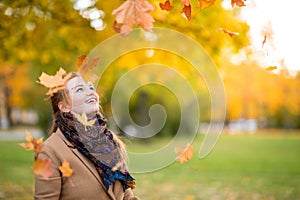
(91,100)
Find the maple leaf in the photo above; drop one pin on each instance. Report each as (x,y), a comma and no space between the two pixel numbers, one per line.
(42,167)
(186,9)
(239,3)
(230,33)
(131,13)
(202,4)
(87,66)
(80,60)
(166,6)
(271,68)
(84,120)
(66,169)
(54,83)
(184,154)
(32,144)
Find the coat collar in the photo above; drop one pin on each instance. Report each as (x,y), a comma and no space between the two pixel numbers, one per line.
(85,161)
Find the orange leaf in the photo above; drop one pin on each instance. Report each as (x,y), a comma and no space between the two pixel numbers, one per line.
(184,155)
(33,144)
(230,33)
(80,60)
(239,3)
(202,4)
(42,168)
(166,6)
(87,66)
(186,9)
(65,169)
(54,83)
(271,68)
(131,13)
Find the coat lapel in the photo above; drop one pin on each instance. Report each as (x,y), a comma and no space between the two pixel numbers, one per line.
(89,165)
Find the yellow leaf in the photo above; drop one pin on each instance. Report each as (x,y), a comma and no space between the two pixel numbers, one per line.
(184,155)
(66,169)
(271,68)
(83,119)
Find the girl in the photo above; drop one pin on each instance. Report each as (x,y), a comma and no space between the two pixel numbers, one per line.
(96,156)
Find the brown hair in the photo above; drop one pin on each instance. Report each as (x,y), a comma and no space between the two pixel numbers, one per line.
(63,96)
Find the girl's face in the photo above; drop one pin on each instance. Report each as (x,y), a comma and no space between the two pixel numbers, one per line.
(83,97)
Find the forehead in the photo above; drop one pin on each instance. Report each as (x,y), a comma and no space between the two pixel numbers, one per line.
(74,82)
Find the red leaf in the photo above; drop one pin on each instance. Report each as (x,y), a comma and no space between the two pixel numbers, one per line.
(166,6)
(42,168)
(80,60)
(184,155)
(239,3)
(186,9)
(230,33)
(131,13)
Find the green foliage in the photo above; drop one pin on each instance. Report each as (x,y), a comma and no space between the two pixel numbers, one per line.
(263,166)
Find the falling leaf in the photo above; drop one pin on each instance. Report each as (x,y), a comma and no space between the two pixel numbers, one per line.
(87,66)
(83,119)
(166,6)
(271,68)
(239,3)
(230,33)
(264,41)
(54,83)
(80,60)
(42,167)
(202,4)
(184,155)
(131,13)
(66,169)
(33,144)
(186,9)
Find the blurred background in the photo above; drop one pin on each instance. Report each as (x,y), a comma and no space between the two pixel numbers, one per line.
(257,154)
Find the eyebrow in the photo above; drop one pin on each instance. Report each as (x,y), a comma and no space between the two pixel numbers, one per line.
(77,86)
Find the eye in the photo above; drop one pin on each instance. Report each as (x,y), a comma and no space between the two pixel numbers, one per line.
(92,87)
(79,89)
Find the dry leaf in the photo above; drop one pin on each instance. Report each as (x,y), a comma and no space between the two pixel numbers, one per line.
(230,33)
(54,83)
(131,13)
(66,169)
(186,9)
(184,155)
(83,119)
(80,60)
(202,4)
(264,41)
(33,144)
(166,6)
(239,3)
(87,66)
(271,68)
(42,167)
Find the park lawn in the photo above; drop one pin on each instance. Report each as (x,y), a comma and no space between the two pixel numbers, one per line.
(242,167)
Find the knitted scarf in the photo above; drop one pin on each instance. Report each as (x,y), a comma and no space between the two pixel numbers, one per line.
(97,144)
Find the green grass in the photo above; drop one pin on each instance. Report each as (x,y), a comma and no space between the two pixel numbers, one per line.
(241,167)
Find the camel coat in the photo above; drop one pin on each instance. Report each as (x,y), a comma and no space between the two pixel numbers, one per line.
(84,183)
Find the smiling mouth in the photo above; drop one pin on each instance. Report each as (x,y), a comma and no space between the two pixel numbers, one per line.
(92,100)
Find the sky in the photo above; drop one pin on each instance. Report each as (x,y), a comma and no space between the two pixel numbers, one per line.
(279,20)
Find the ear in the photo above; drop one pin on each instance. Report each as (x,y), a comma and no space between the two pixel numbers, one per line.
(63,107)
